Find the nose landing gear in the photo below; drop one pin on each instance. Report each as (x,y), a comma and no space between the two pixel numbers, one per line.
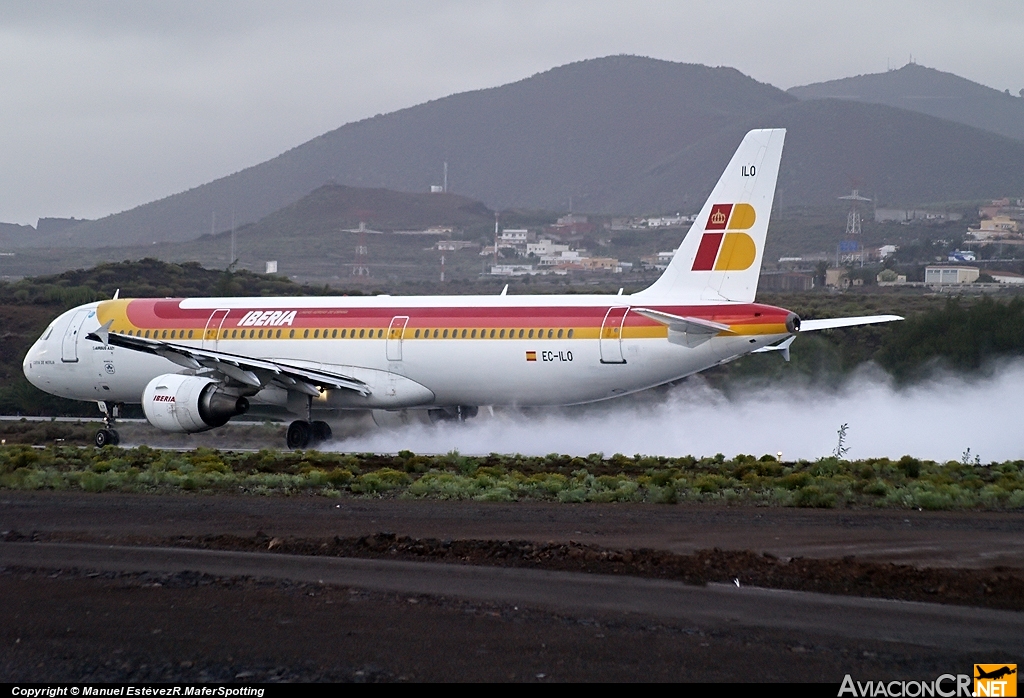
(108,436)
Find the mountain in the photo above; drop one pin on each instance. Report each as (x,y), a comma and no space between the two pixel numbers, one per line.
(535,143)
(928,91)
(621,134)
(15,235)
(832,146)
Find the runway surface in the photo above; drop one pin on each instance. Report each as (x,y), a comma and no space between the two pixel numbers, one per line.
(93,598)
(930,625)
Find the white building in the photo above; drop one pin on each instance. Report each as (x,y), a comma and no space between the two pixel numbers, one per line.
(514,238)
(545,247)
(951,275)
(1005,277)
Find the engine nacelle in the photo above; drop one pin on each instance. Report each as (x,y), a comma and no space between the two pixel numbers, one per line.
(174,402)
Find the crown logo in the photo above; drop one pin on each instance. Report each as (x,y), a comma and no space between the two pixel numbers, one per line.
(718,218)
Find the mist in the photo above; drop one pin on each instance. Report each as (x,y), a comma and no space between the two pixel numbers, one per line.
(937,419)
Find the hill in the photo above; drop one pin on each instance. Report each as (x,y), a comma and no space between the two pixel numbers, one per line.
(928,91)
(333,207)
(613,135)
(833,146)
(535,144)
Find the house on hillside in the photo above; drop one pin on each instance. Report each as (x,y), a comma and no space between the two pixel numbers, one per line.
(997,228)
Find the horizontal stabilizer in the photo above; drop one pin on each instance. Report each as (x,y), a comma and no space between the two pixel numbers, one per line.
(832,323)
(782,346)
(686,331)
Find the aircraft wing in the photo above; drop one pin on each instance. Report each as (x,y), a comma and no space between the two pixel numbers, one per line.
(256,373)
(831,323)
(687,331)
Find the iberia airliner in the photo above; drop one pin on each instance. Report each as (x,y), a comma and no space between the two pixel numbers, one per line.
(195,363)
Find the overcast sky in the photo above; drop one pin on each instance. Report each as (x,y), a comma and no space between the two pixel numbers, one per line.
(107,105)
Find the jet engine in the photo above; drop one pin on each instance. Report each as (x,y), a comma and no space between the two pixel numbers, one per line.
(174,402)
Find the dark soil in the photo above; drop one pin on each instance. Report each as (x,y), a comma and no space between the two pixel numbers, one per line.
(80,626)
(997,588)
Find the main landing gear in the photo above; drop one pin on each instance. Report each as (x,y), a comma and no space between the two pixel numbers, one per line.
(108,436)
(303,433)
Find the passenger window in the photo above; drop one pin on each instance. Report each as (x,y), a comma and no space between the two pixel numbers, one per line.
(261,334)
(531,334)
(501,334)
(291,334)
(559,334)
(570,334)
(316,334)
(417,334)
(334,334)
(463,334)
(343,333)
(278,335)
(380,333)
(435,334)
(445,335)
(190,334)
(492,334)
(521,334)
(473,335)
(551,333)
(362,333)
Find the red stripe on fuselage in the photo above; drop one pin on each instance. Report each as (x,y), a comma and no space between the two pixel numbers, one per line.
(168,314)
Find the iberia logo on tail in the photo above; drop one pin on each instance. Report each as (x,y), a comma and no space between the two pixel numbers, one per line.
(728,250)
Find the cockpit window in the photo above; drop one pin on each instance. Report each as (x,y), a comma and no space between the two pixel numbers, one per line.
(48,332)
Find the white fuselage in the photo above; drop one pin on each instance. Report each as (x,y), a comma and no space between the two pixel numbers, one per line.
(604,350)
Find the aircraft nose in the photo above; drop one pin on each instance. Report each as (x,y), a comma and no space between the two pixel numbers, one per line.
(33,366)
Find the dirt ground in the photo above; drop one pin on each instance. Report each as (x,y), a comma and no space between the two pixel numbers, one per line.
(73,624)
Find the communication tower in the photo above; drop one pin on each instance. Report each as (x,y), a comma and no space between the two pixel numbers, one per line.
(361,267)
(853,217)
(852,240)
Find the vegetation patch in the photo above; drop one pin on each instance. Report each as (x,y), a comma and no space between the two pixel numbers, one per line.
(826,482)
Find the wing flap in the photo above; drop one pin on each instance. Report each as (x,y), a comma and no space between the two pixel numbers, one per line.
(257,373)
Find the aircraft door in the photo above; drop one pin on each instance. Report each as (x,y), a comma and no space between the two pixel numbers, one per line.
(396,332)
(69,346)
(211,334)
(611,335)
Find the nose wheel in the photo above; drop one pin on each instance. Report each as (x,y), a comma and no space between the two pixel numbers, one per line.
(306,434)
(108,436)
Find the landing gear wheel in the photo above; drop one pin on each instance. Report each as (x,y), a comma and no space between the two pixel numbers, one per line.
(105,437)
(300,433)
(321,432)
(116,440)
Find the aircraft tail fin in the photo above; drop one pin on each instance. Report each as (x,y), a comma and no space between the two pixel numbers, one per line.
(719,260)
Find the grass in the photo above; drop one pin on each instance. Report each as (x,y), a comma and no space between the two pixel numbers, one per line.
(828,482)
